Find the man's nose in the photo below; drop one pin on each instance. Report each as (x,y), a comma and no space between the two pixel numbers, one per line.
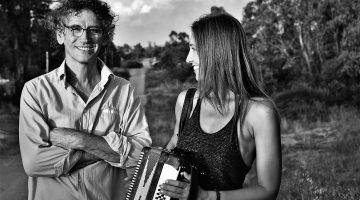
(86,34)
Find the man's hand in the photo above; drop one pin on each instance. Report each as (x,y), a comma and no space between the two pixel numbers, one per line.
(66,138)
(85,160)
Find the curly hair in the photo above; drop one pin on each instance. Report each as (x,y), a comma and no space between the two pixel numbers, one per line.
(101,10)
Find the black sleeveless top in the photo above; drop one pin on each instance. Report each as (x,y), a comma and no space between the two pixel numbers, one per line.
(217,155)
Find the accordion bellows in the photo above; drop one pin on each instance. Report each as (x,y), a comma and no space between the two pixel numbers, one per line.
(154,167)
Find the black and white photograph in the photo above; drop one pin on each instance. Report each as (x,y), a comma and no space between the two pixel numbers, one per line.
(179,99)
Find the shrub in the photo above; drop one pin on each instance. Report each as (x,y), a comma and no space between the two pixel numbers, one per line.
(131,64)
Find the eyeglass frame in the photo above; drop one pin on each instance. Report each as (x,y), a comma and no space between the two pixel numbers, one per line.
(71,28)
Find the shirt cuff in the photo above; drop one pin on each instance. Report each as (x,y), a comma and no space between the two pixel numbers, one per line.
(64,166)
(119,144)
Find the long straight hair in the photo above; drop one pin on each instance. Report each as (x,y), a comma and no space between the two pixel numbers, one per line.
(225,64)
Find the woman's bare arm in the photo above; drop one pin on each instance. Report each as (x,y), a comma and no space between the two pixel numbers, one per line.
(265,126)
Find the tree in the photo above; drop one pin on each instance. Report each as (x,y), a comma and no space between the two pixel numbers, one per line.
(125,52)
(23,38)
(138,51)
(153,50)
(295,42)
(110,55)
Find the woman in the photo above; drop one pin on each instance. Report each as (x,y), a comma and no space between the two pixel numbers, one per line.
(232,121)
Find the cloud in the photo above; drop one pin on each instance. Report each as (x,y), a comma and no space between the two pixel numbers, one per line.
(125,8)
(135,8)
(152,20)
(145,9)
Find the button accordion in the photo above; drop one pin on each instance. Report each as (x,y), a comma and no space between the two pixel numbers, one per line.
(154,167)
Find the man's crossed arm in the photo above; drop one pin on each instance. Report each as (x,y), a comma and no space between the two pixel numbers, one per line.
(91,148)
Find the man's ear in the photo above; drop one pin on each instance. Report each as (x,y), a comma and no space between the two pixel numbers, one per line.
(60,36)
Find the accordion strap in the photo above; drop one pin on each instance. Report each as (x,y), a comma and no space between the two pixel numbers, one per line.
(187,107)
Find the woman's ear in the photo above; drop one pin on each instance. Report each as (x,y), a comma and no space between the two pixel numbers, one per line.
(60,36)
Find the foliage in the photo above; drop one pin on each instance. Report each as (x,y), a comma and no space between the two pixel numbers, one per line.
(110,55)
(133,64)
(306,43)
(175,51)
(22,36)
(173,56)
(137,52)
(23,41)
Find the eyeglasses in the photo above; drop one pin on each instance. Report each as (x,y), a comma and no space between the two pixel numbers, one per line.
(77,31)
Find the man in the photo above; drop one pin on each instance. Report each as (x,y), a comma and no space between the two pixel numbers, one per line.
(81,129)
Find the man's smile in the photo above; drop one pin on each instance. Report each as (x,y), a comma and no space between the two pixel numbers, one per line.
(86,47)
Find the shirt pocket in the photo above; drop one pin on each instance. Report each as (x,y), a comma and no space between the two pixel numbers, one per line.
(108,121)
(65,118)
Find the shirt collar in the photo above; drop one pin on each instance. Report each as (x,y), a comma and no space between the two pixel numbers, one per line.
(105,73)
(60,73)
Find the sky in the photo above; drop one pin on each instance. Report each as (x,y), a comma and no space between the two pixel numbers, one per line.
(144,21)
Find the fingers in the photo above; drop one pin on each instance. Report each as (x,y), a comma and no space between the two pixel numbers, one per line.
(175,189)
(174,195)
(186,176)
(172,189)
(176,183)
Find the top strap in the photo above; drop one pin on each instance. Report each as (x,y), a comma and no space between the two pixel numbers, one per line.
(237,113)
(187,107)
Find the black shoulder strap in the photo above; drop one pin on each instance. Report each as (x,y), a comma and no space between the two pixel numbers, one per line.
(187,107)
(237,114)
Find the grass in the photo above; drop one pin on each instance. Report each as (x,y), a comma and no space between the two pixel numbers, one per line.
(324,161)
(329,169)
(160,107)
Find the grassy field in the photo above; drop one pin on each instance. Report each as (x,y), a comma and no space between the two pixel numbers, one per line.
(321,157)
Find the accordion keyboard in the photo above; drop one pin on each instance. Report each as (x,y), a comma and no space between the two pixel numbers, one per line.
(154,167)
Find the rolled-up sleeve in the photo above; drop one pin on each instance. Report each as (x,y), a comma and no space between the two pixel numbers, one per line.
(134,133)
(39,158)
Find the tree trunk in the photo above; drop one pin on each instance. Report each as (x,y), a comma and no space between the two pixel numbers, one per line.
(304,52)
(319,57)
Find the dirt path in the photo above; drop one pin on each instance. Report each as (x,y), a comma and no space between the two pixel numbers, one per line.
(13,180)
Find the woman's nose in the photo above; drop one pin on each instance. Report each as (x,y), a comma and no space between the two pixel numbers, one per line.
(189,57)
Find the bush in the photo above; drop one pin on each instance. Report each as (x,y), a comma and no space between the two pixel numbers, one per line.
(132,64)
(182,72)
(303,103)
(121,72)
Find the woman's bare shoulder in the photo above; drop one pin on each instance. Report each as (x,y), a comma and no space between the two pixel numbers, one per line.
(181,99)
(262,112)
(181,96)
